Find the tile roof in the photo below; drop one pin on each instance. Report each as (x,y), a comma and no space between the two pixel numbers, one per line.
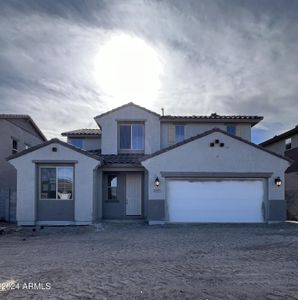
(83,131)
(14,116)
(26,117)
(125,105)
(198,136)
(281,136)
(123,159)
(213,117)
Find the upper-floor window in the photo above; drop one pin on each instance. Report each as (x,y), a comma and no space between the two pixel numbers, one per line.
(77,143)
(231,129)
(288,143)
(15,145)
(131,137)
(179,133)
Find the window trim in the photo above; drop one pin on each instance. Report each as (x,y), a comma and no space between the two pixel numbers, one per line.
(56,167)
(130,123)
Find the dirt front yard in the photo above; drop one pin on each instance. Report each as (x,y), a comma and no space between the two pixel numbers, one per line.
(136,261)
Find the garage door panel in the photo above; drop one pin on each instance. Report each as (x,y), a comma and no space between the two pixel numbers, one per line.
(215,201)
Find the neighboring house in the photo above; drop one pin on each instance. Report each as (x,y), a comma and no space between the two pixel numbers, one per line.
(17,132)
(152,167)
(287,144)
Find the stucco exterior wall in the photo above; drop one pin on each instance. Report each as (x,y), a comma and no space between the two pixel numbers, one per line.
(192,129)
(278,147)
(7,131)
(198,156)
(26,182)
(292,195)
(295,141)
(109,126)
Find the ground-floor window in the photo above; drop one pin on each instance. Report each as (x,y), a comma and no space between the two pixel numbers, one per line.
(56,183)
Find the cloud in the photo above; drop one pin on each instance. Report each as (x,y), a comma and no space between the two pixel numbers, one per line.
(232,57)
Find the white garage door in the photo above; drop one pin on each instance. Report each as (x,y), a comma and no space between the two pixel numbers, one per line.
(215,201)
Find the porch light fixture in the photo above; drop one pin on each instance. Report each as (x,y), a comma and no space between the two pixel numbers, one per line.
(277,181)
(157,182)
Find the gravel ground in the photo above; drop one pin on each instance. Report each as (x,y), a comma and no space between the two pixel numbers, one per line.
(136,261)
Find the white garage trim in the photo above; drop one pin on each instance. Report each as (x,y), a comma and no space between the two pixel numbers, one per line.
(222,200)
(246,175)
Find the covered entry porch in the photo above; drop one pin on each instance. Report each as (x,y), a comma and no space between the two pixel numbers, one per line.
(122,194)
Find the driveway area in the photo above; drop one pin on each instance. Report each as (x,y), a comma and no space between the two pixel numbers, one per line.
(136,261)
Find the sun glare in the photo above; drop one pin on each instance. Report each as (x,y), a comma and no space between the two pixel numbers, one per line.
(128,69)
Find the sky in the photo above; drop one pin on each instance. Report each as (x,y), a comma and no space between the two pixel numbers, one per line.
(64,62)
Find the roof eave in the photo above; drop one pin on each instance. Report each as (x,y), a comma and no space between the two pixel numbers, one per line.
(253,122)
(52,141)
(81,135)
(37,129)
(125,105)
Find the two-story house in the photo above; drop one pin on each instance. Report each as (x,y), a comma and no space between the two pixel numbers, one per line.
(287,144)
(141,165)
(17,132)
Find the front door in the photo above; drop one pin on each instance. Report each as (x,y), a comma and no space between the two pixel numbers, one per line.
(133,194)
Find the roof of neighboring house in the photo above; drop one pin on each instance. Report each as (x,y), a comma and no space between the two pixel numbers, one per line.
(26,117)
(293,154)
(125,105)
(281,136)
(198,136)
(214,117)
(82,132)
(52,141)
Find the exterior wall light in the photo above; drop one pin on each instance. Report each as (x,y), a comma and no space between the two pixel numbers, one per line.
(277,181)
(157,182)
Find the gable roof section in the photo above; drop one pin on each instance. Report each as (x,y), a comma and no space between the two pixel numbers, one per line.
(26,117)
(52,141)
(198,136)
(280,137)
(214,117)
(125,105)
(82,132)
